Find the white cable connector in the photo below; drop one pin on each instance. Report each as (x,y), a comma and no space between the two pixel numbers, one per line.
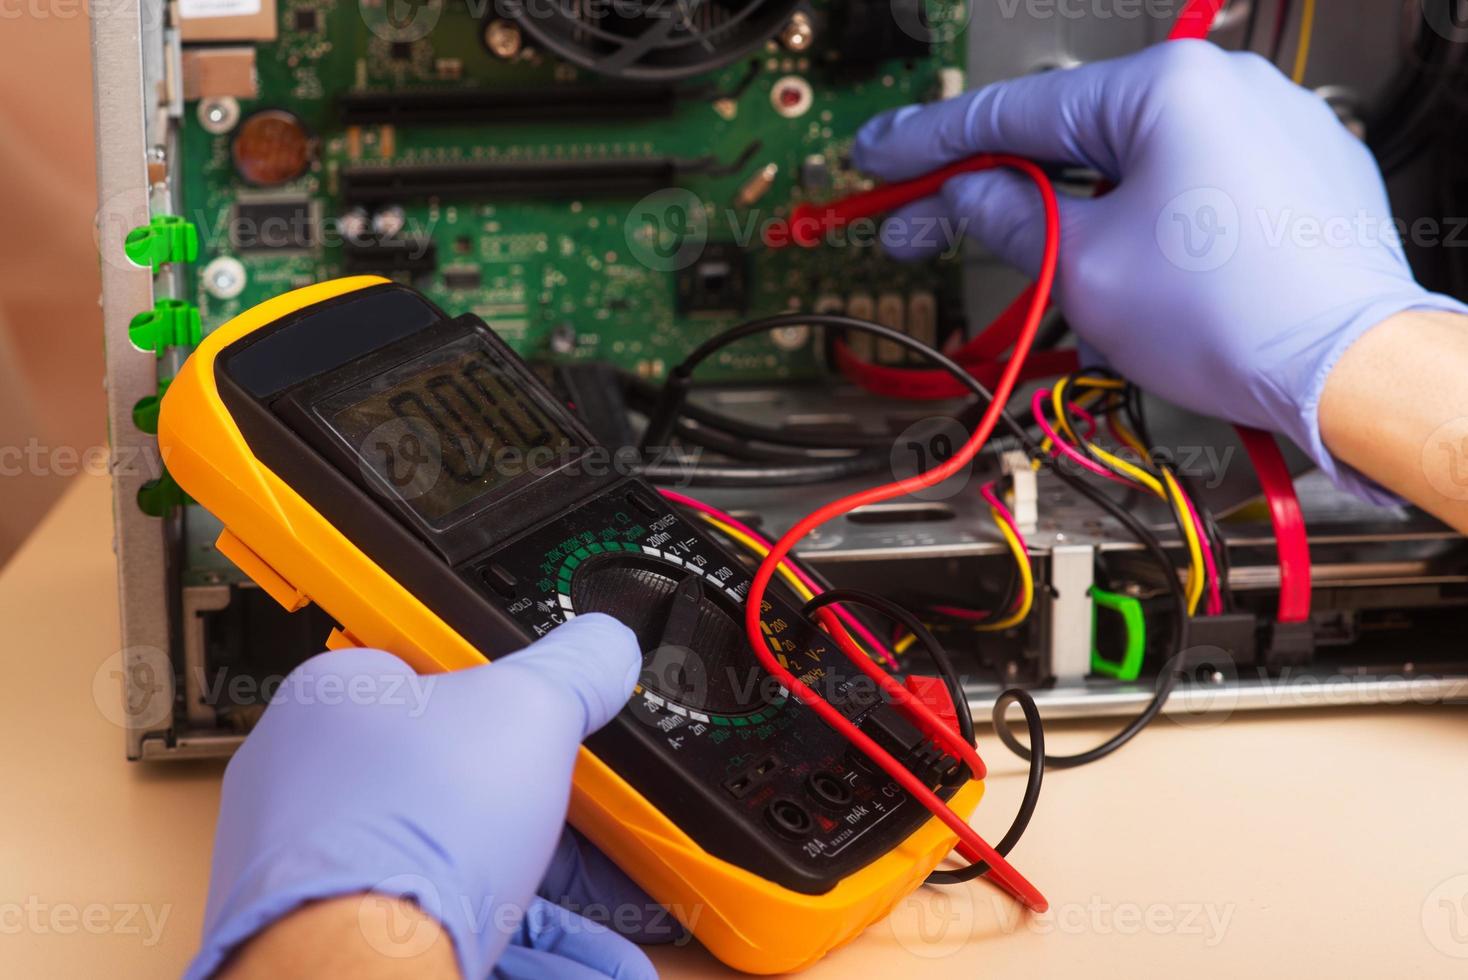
(1025,502)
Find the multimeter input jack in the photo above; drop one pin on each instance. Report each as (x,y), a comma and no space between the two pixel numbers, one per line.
(789,818)
(829,788)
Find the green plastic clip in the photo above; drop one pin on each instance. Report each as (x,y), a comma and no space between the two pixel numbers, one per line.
(1134,625)
(145,412)
(158,497)
(170,323)
(166,238)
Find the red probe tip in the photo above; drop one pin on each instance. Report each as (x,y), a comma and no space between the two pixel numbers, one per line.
(804,228)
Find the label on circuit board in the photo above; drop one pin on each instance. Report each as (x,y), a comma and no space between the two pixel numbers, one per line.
(194,9)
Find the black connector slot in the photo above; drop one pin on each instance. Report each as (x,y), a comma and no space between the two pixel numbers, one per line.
(409,256)
(468,107)
(555,179)
(741,785)
(887,726)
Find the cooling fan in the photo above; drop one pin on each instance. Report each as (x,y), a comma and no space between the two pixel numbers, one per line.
(653,40)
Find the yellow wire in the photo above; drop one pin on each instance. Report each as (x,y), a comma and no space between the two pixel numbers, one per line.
(1085,401)
(1026,579)
(744,540)
(1129,437)
(1109,384)
(1057,398)
(1190,534)
(1302,51)
(1135,472)
(1172,493)
(1099,385)
(1057,401)
(1026,584)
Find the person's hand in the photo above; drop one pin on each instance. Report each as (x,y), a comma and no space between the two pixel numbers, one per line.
(1247,243)
(449,790)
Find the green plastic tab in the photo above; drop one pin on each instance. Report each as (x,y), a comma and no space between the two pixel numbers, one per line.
(170,323)
(167,238)
(157,498)
(145,412)
(1134,622)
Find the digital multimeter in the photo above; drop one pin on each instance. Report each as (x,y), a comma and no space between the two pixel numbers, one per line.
(405,471)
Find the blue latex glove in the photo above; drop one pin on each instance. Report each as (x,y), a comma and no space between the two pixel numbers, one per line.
(1247,244)
(449,789)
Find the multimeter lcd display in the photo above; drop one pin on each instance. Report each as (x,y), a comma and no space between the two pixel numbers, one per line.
(447,429)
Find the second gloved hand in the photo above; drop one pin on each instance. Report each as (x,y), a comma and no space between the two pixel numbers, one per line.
(450,790)
(1247,243)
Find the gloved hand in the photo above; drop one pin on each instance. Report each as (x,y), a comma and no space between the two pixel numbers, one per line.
(449,789)
(1247,243)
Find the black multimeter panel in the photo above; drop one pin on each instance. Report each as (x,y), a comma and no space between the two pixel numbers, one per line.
(433,447)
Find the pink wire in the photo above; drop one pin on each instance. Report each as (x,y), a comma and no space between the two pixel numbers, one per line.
(1215,599)
(1087,418)
(958,612)
(993,499)
(1037,402)
(847,619)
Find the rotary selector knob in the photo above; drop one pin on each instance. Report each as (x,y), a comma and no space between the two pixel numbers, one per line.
(688,626)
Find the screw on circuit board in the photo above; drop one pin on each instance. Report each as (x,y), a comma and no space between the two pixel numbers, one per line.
(502,38)
(224,278)
(797,35)
(218,115)
(563,339)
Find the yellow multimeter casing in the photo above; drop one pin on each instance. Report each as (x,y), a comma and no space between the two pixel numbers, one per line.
(298,556)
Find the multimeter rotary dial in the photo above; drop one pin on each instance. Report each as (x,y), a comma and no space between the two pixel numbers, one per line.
(689,625)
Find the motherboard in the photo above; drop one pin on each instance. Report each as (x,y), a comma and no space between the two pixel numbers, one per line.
(589,199)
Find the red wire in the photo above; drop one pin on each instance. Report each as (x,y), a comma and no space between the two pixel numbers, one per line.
(971,844)
(1194,23)
(807,226)
(1291,540)
(809,223)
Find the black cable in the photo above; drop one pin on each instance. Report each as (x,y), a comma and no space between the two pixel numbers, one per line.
(1417,104)
(1137,417)
(649,394)
(675,389)
(764,475)
(1027,803)
(696,434)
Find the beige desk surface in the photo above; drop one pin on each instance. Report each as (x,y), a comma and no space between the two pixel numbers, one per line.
(1332,843)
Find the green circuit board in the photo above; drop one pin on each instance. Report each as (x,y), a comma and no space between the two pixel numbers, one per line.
(594,276)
